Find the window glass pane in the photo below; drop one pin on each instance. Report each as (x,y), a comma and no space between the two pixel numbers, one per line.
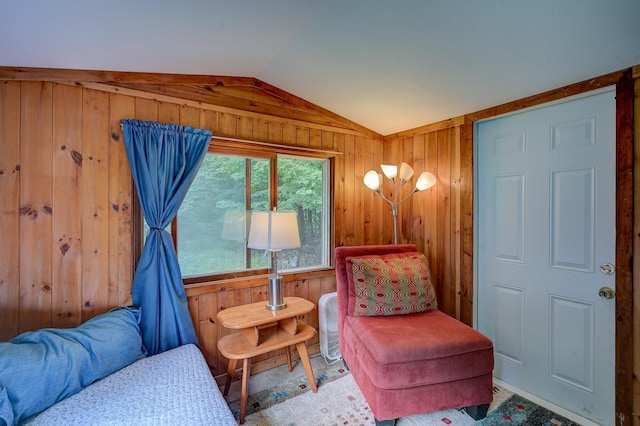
(303,187)
(212,219)
(260,173)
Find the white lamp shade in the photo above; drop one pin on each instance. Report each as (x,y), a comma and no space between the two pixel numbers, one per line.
(372,180)
(406,171)
(274,230)
(425,181)
(390,171)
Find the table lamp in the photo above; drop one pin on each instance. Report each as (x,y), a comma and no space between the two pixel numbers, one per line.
(274,231)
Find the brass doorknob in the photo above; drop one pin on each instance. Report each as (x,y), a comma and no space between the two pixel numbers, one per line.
(607,293)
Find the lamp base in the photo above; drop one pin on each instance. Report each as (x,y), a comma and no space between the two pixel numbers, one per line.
(276,300)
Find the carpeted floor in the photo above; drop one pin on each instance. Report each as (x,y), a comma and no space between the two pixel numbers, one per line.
(280,398)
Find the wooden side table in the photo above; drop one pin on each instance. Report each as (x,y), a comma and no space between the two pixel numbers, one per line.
(252,320)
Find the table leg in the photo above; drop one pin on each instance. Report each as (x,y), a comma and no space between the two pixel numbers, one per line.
(304,357)
(289,359)
(231,371)
(246,371)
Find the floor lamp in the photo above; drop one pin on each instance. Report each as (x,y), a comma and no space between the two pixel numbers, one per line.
(274,231)
(373,181)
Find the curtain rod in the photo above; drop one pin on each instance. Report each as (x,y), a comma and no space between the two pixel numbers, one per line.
(323,152)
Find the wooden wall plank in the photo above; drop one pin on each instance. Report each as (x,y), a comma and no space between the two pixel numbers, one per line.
(289,134)
(9,208)
(302,137)
(378,204)
(245,128)
(168,113)
(444,219)
(466,222)
(405,212)
(121,238)
(36,205)
(315,138)
(227,125)
(67,201)
(430,206)
(371,233)
(391,155)
(417,203)
(358,191)
(275,132)
(206,308)
(209,120)
(146,109)
(349,214)
(95,214)
(456,246)
(338,191)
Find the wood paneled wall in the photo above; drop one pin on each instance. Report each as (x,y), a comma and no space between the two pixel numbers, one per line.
(67,206)
(65,254)
(433,219)
(67,203)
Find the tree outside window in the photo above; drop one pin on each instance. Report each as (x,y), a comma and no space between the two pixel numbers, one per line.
(212,224)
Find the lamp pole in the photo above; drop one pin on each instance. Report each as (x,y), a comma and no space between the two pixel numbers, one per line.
(394,207)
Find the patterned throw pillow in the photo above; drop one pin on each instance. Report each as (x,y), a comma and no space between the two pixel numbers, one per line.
(392,285)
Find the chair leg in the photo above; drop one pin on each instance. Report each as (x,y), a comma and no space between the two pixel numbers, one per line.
(391,422)
(477,412)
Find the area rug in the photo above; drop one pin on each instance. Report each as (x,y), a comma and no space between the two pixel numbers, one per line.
(339,402)
(295,384)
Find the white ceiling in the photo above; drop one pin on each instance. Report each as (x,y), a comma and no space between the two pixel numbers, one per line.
(389,65)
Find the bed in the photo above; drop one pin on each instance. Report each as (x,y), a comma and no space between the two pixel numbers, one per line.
(170,388)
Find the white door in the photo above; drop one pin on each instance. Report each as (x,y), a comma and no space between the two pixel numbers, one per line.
(545,203)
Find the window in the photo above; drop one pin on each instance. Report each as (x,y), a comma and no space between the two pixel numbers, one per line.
(210,230)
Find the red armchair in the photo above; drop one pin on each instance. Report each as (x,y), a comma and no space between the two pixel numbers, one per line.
(409,363)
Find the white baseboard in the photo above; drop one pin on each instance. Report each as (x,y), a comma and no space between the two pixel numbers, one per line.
(546,404)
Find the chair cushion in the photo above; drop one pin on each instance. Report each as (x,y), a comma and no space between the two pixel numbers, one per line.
(417,349)
(391,284)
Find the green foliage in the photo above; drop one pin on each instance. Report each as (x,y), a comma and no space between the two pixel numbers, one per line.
(220,186)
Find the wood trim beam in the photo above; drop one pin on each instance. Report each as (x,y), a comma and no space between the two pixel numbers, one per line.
(624,248)
(152,82)
(214,286)
(231,144)
(434,127)
(549,96)
(99,76)
(196,104)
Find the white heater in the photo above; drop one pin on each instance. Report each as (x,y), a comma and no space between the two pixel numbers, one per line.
(328,316)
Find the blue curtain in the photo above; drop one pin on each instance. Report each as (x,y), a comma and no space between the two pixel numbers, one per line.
(164,159)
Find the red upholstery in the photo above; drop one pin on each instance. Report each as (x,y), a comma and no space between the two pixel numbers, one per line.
(415,363)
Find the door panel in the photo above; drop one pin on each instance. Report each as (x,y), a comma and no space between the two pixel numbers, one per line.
(545,221)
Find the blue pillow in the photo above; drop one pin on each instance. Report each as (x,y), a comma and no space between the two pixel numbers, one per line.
(40,368)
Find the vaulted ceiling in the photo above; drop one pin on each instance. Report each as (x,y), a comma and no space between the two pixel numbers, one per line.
(385,65)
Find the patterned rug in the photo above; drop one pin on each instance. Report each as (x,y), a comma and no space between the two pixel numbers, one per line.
(339,402)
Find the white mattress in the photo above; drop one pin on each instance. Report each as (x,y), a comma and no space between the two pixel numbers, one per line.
(171,388)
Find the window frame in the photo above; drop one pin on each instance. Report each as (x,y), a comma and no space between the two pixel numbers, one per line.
(254,149)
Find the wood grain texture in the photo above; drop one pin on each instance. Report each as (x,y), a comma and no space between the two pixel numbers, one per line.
(95,212)
(121,226)
(9,208)
(67,199)
(36,205)
(624,247)
(636,246)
